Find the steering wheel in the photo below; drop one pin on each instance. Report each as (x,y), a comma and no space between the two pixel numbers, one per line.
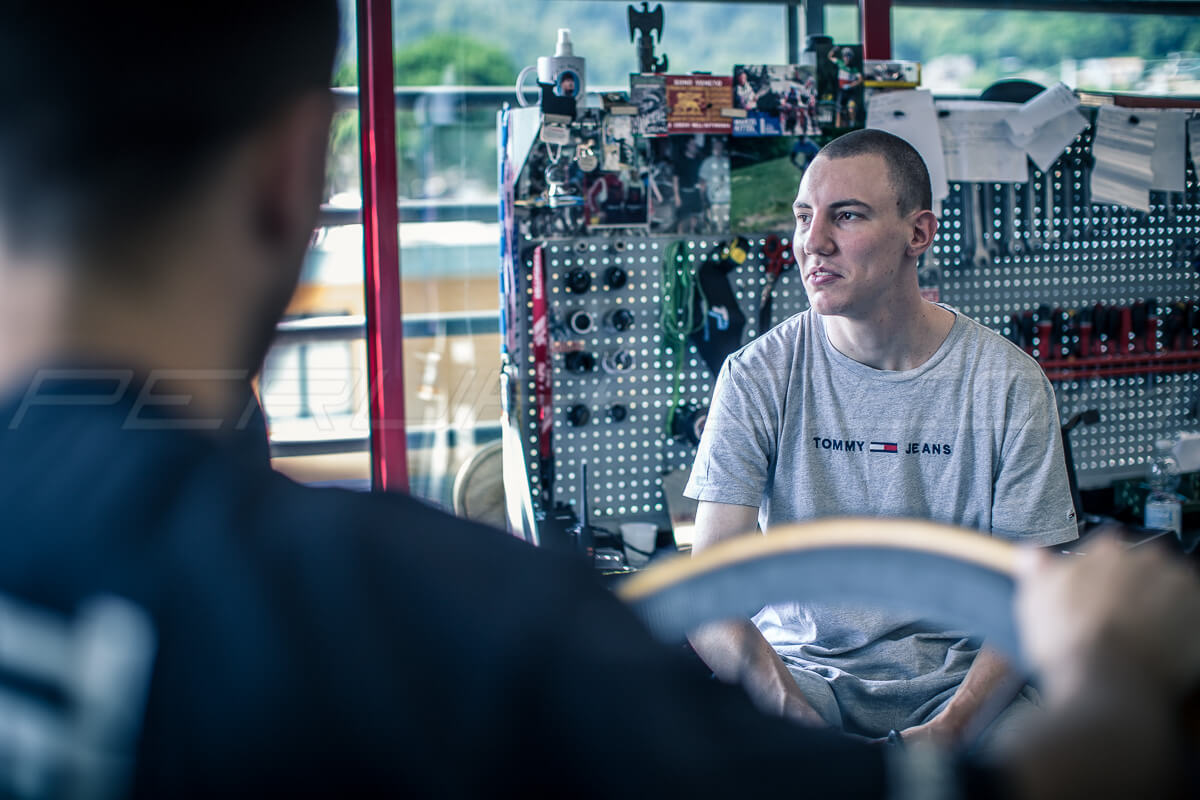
(938,572)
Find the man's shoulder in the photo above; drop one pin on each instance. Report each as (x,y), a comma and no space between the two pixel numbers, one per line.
(993,351)
(784,339)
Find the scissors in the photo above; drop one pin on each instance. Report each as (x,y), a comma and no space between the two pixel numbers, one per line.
(779,259)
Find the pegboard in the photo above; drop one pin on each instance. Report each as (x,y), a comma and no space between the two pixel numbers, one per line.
(626,457)
(1089,254)
(1101,254)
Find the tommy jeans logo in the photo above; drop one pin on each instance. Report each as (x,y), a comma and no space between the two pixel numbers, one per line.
(890,448)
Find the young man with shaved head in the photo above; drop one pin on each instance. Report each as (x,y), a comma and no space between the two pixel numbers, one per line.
(875,402)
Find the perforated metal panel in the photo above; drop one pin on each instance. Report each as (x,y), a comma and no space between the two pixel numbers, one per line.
(1104,254)
(627,458)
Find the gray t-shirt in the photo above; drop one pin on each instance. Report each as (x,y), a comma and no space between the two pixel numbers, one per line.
(802,431)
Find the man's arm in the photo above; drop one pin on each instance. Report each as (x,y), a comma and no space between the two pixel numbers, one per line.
(735,650)
(1035,460)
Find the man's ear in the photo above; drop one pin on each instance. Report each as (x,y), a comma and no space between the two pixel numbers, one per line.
(291,177)
(924,225)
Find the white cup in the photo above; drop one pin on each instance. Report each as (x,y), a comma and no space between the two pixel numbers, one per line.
(639,539)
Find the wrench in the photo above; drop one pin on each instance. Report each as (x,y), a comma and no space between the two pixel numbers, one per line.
(980,259)
(988,219)
(1070,220)
(1083,161)
(967,191)
(1011,243)
(1051,226)
(1033,241)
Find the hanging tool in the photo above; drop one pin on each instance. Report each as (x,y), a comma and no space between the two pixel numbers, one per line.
(1173,326)
(967,209)
(1084,345)
(1150,337)
(1088,417)
(1052,235)
(1009,244)
(543,389)
(681,316)
(1066,194)
(1125,337)
(1083,162)
(1033,241)
(980,259)
(987,219)
(779,259)
(722,320)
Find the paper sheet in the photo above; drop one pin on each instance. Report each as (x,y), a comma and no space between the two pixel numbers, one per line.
(1193,129)
(1169,162)
(1123,146)
(1052,138)
(1041,109)
(911,116)
(975,139)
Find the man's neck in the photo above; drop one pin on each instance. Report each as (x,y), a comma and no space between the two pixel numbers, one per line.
(184,343)
(898,338)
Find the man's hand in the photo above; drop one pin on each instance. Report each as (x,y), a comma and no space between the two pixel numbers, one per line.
(1113,634)
(737,653)
(1129,614)
(937,732)
(985,691)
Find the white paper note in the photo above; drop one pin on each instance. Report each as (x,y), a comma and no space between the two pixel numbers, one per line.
(1052,138)
(1123,146)
(1169,162)
(910,115)
(1193,129)
(1043,107)
(975,139)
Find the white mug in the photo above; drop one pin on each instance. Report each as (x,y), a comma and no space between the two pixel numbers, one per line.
(639,539)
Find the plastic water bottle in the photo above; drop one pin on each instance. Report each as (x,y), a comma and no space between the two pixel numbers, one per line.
(1164,507)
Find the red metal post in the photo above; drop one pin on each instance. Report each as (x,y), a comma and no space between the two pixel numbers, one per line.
(381,240)
(876,18)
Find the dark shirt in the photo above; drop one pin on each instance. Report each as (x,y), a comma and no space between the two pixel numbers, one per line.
(688,170)
(322,642)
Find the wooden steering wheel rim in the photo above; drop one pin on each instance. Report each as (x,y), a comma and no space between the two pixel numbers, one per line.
(949,575)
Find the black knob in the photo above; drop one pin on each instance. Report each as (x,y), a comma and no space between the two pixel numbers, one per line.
(579,321)
(580,361)
(619,319)
(578,414)
(617,412)
(579,280)
(615,277)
